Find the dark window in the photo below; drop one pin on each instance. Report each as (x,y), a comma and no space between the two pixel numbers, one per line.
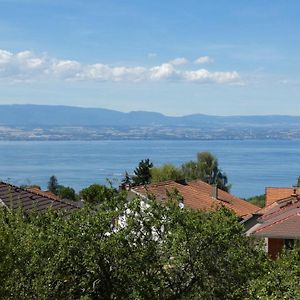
(289,244)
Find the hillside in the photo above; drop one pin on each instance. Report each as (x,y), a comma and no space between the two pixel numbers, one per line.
(48,115)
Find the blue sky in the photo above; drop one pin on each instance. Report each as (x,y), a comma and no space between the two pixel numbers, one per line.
(176,57)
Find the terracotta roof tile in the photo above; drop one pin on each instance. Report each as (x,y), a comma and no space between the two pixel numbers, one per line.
(288,228)
(197,195)
(280,219)
(274,194)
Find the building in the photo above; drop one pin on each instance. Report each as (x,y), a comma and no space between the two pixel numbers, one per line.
(197,195)
(278,223)
(13,197)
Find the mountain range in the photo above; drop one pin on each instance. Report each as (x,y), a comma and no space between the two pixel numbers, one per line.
(29,115)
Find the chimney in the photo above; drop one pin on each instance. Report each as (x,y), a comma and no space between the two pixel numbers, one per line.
(295,193)
(214,191)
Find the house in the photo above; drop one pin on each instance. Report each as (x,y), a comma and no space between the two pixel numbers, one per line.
(13,197)
(278,223)
(197,195)
(274,194)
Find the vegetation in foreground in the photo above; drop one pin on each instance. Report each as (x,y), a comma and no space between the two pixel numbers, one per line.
(160,252)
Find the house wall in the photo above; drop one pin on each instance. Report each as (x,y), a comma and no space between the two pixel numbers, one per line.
(275,246)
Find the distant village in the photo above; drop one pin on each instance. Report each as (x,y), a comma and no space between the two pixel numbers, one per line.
(41,133)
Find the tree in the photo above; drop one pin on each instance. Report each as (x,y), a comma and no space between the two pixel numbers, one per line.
(53,185)
(298,182)
(96,194)
(165,172)
(66,192)
(142,174)
(280,280)
(191,170)
(259,200)
(161,252)
(206,168)
(126,181)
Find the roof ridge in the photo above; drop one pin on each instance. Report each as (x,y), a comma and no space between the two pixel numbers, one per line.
(35,193)
(277,222)
(283,187)
(280,209)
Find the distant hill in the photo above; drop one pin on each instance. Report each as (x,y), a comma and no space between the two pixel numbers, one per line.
(48,115)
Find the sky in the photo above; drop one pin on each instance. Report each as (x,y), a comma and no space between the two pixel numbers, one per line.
(214,57)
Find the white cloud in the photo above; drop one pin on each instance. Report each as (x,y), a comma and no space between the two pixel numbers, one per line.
(27,66)
(65,69)
(163,71)
(28,60)
(179,61)
(204,76)
(203,60)
(5,57)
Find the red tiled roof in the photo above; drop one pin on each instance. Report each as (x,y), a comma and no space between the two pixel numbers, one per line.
(274,194)
(288,228)
(197,195)
(281,219)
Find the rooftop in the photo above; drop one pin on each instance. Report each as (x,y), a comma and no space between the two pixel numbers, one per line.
(197,195)
(14,197)
(281,219)
(274,194)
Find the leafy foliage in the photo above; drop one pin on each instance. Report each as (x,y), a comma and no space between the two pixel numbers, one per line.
(259,200)
(66,192)
(96,194)
(166,172)
(142,174)
(126,251)
(281,281)
(205,168)
(126,181)
(53,184)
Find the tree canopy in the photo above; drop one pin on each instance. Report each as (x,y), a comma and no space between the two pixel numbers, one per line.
(205,168)
(160,252)
(96,194)
(165,172)
(66,192)
(53,184)
(142,173)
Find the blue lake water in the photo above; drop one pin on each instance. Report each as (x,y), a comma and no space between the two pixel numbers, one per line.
(250,165)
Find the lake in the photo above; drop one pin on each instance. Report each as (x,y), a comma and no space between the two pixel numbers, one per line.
(250,165)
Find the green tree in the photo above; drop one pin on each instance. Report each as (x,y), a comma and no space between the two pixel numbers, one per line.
(53,185)
(96,194)
(206,168)
(160,252)
(126,181)
(281,279)
(191,170)
(142,174)
(259,200)
(165,172)
(298,182)
(66,192)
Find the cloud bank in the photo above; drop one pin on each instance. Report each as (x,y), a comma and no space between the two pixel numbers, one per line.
(27,66)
